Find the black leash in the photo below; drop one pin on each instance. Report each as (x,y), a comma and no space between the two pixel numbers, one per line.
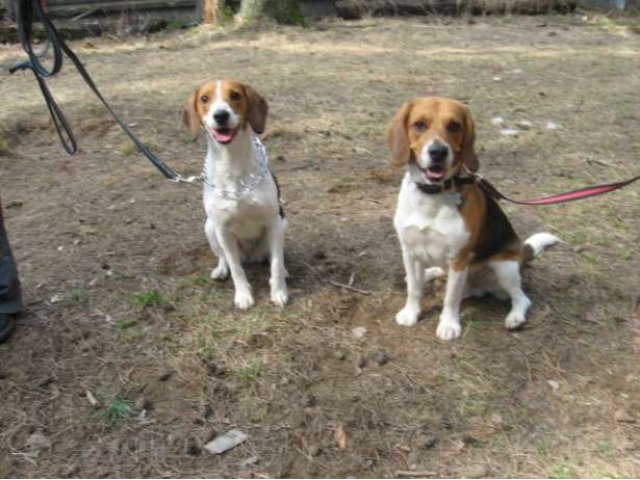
(26,10)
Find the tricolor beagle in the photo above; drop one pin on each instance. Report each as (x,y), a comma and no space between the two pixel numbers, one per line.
(241,197)
(444,219)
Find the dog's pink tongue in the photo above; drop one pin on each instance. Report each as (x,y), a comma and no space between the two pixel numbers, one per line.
(435,174)
(223,136)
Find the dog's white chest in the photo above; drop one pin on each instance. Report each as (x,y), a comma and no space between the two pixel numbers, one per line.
(246,217)
(430,226)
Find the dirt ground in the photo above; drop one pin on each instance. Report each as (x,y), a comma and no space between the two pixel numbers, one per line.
(129,358)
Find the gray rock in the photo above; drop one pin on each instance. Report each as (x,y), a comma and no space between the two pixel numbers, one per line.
(226,441)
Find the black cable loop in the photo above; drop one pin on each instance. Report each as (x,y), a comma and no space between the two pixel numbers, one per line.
(54,41)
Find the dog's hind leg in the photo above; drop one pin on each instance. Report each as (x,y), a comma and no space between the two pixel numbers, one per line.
(221,272)
(508,278)
(275,239)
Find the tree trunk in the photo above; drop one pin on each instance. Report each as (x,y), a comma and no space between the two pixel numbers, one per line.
(210,11)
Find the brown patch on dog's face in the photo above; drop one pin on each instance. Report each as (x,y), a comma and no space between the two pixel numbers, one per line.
(425,120)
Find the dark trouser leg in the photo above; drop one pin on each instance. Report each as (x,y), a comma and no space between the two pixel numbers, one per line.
(10,295)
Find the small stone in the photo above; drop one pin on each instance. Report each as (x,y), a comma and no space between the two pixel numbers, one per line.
(143,403)
(361,361)
(412,460)
(497,120)
(553,384)
(381,357)
(510,132)
(358,332)
(226,441)
(552,126)
(339,355)
(57,298)
(192,447)
(249,461)
(496,418)
(477,471)
(37,441)
(308,400)
(524,124)
(623,416)
(426,441)
(315,450)
(45,382)
(319,255)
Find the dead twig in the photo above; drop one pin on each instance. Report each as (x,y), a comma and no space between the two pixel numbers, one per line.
(349,287)
(415,473)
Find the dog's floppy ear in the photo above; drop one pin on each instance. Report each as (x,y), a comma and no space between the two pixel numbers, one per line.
(257,109)
(469,157)
(190,114)
(398,137)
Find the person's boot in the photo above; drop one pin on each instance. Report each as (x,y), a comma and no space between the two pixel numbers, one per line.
(6,326)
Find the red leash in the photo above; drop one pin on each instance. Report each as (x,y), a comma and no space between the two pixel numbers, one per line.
(558,198)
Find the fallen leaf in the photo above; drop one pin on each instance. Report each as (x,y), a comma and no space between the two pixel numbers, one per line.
(92,399)
(341,437)
(623,416)
(524,124)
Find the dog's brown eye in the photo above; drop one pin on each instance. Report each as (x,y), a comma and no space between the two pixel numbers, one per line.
(453,127)
(420,126)
(204,98)
(235,96)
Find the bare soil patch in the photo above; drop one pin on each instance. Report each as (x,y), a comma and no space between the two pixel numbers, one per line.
(129,358)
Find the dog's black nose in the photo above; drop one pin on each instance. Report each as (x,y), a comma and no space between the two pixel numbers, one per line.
(438,152)
(221,116)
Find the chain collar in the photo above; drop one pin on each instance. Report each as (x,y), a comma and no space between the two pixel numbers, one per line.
(248,184)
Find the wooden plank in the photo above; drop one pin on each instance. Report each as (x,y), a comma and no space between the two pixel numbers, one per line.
(120,3)
(69,9)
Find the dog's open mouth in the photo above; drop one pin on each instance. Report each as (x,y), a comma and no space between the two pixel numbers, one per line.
(434,173)
(224,135)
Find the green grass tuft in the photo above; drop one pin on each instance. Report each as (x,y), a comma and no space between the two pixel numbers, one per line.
(152,298)
(114,410)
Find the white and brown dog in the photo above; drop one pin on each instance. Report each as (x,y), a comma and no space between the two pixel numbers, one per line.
(245,221)
(444,219)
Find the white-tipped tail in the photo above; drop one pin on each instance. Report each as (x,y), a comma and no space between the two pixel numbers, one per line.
(539,242)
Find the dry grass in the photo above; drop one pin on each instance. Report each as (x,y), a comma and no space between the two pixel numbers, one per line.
(141,322)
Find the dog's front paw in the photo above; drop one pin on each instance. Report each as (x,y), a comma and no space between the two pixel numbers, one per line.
(244,300)
(407,317)
(221,272)
(279,296)
(448,329)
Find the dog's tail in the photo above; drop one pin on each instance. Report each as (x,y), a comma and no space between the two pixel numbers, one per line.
(536,244)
